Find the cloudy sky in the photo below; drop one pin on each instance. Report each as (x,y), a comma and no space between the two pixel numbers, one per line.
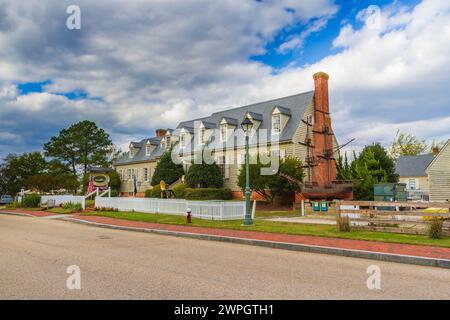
(136,65)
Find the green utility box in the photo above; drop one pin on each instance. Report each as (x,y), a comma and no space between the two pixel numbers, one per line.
(324,206)
(316,206)
(390,192)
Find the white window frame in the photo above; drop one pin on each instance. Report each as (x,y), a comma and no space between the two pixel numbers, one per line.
(223,132)
(202,138)
(183,140)
(147,149)
(412,182)
(145,174)
(274,123)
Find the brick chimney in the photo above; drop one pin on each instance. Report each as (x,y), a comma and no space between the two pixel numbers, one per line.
(436,151)
(160,132)
(324,173)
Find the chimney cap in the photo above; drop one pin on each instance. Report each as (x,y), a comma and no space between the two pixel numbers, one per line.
(321,74)
(160,132)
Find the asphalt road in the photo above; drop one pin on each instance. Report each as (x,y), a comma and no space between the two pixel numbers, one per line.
(35,254)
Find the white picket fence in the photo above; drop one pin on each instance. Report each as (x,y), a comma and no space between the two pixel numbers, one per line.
(210,210)
(65,199)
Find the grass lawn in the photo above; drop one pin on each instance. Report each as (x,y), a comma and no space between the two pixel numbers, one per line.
(280,227)
(89,203)
(270,214)
(61,211)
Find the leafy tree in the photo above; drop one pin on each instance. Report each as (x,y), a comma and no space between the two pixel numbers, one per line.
(371,166)
(271,186)
(114,181)
(407,145)
(385,162)
(48,182)
(167,170)
(16,169)
(204,176)
(81,145)
(343,168)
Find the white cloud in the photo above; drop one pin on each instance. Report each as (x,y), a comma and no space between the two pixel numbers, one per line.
(156,63)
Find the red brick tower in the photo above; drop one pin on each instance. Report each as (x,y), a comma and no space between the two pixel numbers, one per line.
(324,172)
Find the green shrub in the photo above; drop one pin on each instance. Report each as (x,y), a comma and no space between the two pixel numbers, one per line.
(32,200)
(208,194)
(13,205)
(155,192)
(343,223)
(73,207)
(180,190)
(435,228)
(166,170)
(204,176)
(114,193)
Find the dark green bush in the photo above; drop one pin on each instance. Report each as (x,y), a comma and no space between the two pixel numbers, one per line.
(155,192)
(32,200)
(208,194)
(435,228)
(180,190)
(166,170)
(204,176)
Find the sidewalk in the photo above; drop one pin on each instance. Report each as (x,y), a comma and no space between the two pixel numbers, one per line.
(395,252)
(36,214)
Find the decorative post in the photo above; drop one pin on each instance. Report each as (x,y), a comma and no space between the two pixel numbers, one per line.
(247,125)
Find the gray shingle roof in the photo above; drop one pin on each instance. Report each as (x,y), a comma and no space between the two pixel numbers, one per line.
(283,110)
(413,166)
(297,104)
(255,116)
(141,156)
(231,121)
(294,105)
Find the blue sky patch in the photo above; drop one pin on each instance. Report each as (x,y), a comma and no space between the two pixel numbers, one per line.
(318,45)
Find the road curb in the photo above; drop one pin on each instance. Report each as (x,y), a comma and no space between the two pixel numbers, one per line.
(17,214)
(389,257)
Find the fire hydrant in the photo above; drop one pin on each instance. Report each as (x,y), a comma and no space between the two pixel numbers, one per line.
(188,217)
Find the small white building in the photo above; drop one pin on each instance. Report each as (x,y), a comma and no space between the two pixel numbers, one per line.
(412,172)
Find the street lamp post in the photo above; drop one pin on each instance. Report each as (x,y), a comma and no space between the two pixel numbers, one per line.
(247,125)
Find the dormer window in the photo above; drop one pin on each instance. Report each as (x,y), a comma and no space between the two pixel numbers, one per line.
(280,118)
(148,149)
(183,140)
(168,140)
(223,132)
(276,123)
(202,135)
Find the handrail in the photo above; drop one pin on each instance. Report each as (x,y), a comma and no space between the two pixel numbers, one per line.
(107,191)
(92,193)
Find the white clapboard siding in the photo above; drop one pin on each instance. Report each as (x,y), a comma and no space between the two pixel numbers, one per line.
(439,176)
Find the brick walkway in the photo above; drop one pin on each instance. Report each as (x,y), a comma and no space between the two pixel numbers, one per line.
(373,246)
